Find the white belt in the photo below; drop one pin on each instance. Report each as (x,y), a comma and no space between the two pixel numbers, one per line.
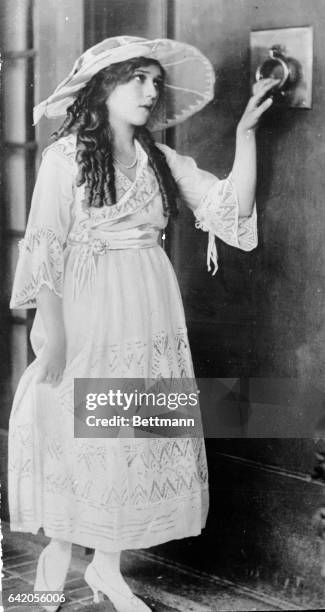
(100,243)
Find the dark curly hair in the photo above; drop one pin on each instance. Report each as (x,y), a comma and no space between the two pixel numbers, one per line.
(88,118)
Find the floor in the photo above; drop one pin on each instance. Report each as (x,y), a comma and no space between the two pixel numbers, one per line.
(165,586)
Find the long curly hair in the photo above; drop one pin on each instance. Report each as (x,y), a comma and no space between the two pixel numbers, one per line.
(88,117)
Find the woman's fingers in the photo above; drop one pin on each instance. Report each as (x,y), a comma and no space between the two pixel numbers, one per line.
(51,376)
(54,377)
(52,363)
(263,107)
(57,379)
(261,87)
(259,102)
(258,111)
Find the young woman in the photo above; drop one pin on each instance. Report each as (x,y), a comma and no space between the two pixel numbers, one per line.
(108,304)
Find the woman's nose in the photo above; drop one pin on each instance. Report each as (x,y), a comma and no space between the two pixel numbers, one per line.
(151,90)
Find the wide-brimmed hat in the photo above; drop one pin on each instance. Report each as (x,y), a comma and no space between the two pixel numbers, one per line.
(189,77)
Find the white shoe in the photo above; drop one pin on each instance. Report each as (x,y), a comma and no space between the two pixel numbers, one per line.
(41,582)
(123,601)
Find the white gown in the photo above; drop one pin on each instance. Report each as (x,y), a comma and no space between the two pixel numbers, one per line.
(123,317)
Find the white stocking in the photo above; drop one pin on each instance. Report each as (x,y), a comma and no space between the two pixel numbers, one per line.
(107,562)
(108,567)
(103,576)
(58,557)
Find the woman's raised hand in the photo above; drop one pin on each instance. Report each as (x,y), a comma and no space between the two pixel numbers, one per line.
(52,362)
(257,105)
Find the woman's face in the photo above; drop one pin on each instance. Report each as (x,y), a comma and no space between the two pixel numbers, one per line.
(132,103)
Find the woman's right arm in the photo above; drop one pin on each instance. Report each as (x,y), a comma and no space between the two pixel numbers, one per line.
(39,274)
(53,359)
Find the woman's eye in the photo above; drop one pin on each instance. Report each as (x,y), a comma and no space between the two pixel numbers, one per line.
(140,77)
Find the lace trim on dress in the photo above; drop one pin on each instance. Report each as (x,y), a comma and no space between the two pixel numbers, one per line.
(132,195)
(135,197)
(218,215)
(40,263)
(123,183)
(166,354)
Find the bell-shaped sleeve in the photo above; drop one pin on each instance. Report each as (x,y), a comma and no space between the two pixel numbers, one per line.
(214,203)
(40,260)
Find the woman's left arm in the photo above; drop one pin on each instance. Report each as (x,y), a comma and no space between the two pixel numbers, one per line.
(244,167)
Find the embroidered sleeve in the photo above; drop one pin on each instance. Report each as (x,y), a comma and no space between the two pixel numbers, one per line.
(214,203)
(40,263)
(40,259)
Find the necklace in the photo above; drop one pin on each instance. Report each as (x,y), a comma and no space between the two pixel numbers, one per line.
(125,165)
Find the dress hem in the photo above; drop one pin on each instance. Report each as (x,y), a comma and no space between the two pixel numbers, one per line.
(84,542)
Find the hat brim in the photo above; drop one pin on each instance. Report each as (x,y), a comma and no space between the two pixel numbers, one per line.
(189,77)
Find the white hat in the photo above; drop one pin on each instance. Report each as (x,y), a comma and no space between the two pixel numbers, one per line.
(189,77)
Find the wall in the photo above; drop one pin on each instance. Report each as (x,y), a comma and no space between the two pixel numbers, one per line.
(263,314)
(129,18)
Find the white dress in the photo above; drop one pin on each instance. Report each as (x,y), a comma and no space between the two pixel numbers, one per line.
(123,317)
